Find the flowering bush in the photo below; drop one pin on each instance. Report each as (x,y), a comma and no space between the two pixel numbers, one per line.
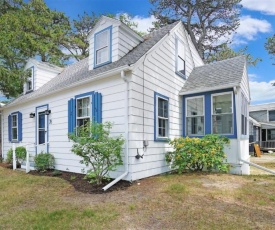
(196,154)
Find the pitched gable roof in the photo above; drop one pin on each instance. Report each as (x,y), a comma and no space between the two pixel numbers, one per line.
(226,73)
(79,71)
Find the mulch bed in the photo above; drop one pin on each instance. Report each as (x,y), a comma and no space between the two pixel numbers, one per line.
(78,182)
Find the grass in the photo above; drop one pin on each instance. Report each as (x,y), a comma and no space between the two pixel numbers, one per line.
(190,201)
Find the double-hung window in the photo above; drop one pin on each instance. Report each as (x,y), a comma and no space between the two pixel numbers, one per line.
(15,127)
(161,117)
(83,111)
(195,116)
(222,113)
(244,115)
(180,58)
(102,48)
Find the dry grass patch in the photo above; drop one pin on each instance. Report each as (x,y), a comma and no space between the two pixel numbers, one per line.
(190,201)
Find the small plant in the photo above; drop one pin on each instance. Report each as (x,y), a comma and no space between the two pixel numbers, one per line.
(9,157)
(44,161)
(72,177)
(56,173)
(98,149)
(20,153)
(196,154)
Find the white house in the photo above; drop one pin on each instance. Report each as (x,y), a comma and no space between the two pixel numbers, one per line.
(151,88)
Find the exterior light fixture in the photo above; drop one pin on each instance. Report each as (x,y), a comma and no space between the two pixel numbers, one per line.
(47,112)
(32,115)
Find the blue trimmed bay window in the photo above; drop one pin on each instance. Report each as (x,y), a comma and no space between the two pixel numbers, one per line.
(84,108)
(103,47)
(180,58)
(15,127)
(210,113)
(161,117)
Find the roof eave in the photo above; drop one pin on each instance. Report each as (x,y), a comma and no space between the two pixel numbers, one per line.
(203,90)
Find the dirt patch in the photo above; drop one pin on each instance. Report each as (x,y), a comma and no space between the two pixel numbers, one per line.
(81,184)
(78,181)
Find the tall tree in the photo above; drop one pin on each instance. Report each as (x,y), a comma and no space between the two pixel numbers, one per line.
(226,52)
(206,21)
(270,46)
(28,30)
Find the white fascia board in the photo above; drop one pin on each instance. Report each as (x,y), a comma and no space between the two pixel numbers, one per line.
(131,32)
(203,90)
(99,76)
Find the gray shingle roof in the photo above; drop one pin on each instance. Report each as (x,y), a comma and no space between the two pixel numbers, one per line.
(222,73)
(80,71)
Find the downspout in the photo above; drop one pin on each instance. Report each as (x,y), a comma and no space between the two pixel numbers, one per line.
(122,75)
(235,90)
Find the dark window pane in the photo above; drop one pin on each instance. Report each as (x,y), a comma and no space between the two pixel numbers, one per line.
(222,124)
(41,137)
(195,125)
(14,133)
(41,120)
(271,115)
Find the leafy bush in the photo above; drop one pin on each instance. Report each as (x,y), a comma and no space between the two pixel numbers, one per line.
(9,157)
(44,161)
(196,154)
(20,153)
(98,149)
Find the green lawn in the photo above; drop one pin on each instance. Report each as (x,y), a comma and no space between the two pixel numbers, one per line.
(190,201)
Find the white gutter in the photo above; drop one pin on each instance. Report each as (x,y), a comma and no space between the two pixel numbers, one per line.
(209,89)
(258,166)
(122,74)
(103,75)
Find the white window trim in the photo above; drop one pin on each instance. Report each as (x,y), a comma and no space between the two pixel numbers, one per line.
(109,47)
(177,41)
(232,105)
(186,116)
(12,127)
(268,114)
(157,117)
(90,109)
(31,79)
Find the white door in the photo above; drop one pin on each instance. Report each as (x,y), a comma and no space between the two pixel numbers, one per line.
(41,130)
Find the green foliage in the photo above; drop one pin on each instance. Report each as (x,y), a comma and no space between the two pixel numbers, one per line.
(225,52)
(196,154)
(270,46)
(56,173)
(44,161)
(98,149)
(20,153)
(205,21)
(9,157)
(44,32)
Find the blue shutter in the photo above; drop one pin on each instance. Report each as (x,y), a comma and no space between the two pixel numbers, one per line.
(20,126)
(9,127)
(97,107)
(71,115)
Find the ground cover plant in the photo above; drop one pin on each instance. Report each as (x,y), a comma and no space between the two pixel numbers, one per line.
(189,201)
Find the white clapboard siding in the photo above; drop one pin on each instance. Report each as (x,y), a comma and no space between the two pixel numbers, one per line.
(157,74)
(59,144)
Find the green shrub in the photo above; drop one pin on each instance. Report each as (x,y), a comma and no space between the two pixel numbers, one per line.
(9,157)
(98,149)
(20,153)
(43,162)
(196,154)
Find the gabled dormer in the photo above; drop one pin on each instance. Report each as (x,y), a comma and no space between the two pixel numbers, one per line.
(39,73)
(109,41)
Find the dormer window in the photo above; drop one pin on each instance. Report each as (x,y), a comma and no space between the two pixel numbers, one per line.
(29,83)
(102,47)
